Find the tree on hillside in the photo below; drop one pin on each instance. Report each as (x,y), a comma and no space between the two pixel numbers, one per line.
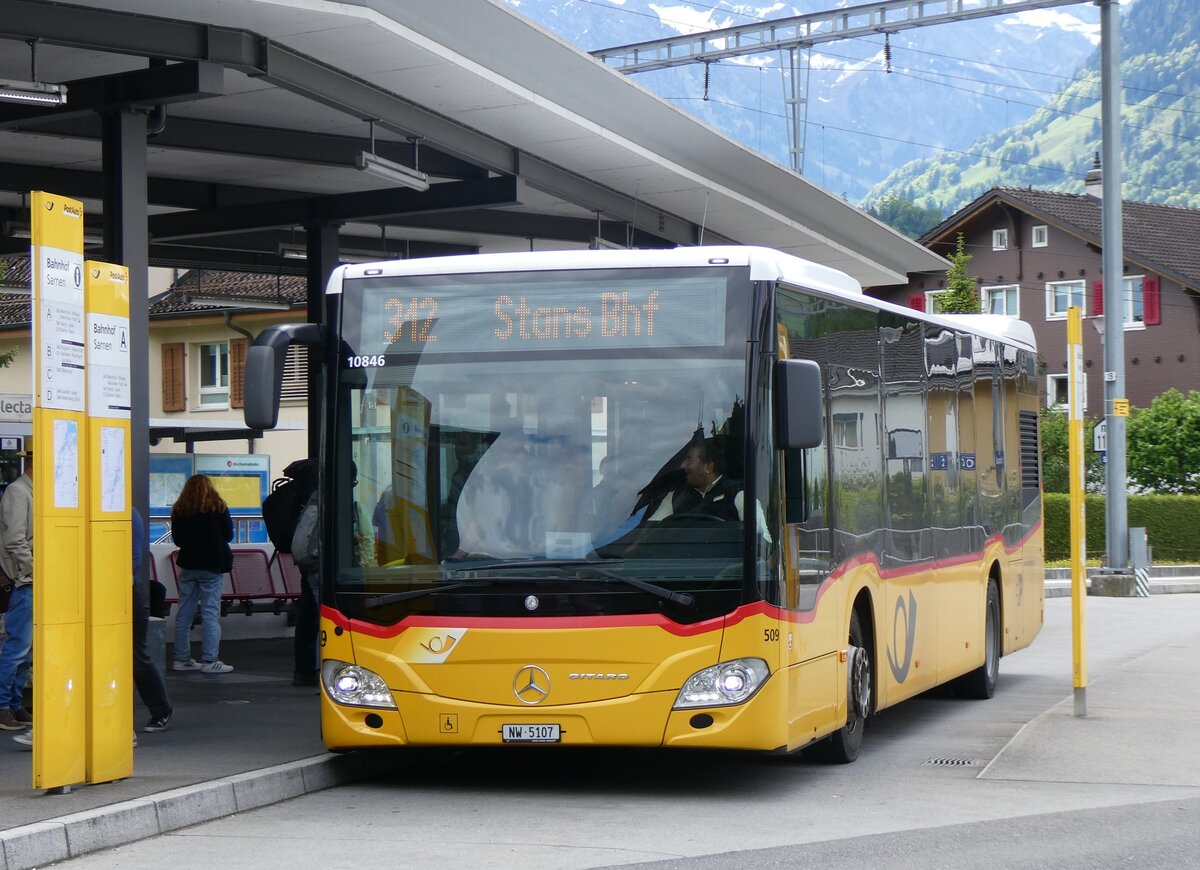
(905,216)
(960,295)
(1163,444)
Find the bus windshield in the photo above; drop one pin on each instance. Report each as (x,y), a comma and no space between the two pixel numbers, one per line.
(532,449)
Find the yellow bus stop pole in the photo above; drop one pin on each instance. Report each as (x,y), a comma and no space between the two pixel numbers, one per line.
(60,464)
(1078,507)
(109,623)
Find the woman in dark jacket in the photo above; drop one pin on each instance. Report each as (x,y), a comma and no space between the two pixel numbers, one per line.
(202,529)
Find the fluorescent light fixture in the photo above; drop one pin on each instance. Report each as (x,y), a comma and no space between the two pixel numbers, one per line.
(347,255)
(21,231)
(266,303)
(394,172)
(41,93)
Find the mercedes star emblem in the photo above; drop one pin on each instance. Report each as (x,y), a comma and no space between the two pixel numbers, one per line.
(531,685)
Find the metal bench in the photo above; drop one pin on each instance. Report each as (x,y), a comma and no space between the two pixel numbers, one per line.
(252,584)
(289,575)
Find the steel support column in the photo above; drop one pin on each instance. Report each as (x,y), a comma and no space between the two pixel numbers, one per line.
(126,241)
(1116,516)
(322,241)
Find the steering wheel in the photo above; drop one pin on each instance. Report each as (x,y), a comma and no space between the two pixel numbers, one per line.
(693,516)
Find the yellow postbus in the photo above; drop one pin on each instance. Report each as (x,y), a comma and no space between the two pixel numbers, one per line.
(703,497)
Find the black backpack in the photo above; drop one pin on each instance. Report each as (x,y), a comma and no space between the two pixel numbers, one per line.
(281,508)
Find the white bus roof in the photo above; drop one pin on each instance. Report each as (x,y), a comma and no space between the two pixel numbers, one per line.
(765,264)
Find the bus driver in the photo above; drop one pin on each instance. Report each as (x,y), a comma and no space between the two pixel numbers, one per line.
(706,491)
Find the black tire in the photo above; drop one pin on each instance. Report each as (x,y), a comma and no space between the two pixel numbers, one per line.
(981,682)
(843,745)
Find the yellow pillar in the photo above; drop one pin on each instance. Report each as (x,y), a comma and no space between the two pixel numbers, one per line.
(110,568)
(59,546)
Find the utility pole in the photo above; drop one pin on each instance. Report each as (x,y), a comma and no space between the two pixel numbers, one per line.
(1116,407)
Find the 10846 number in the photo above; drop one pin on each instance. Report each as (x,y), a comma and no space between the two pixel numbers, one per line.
(365,362)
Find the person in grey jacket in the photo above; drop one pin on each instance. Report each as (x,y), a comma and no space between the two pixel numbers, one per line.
(16,558)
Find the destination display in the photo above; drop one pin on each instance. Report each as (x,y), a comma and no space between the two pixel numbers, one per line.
(660,311)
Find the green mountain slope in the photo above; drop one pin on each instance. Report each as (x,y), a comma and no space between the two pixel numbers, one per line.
(1052,150)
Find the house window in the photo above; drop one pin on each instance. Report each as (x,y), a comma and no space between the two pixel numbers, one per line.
(1061,295)
(999,240)
(214,373)
(1002,299)
(1135,303)
(1041,236)
(933,302)
(1058,391)
(847,430)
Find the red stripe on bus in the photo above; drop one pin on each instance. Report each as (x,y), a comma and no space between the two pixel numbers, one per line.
(525,623)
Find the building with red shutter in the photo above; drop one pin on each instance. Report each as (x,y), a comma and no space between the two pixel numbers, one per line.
(1035,252)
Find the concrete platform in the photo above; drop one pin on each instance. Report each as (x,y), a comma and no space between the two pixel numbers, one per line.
(249,739)
(236,741)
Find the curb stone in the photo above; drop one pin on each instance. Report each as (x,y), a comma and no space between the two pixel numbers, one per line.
(77,834)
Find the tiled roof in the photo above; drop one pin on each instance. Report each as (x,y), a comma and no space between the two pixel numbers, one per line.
(234,286)
(1161,236)
(14,308)
(292,289)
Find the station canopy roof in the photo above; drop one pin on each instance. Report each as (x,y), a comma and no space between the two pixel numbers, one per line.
(526,140)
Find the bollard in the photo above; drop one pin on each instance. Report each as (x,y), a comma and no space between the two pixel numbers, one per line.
(1139,558)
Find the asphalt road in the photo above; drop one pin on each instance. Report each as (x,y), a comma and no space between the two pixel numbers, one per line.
(1016,781)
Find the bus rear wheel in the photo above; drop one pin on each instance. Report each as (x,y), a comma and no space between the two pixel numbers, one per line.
(843,745)
(981,682)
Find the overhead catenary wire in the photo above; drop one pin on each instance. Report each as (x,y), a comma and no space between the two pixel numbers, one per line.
(1057,105)
(888,61)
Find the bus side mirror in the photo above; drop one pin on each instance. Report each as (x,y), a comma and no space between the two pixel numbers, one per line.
(263,378)
(798,408)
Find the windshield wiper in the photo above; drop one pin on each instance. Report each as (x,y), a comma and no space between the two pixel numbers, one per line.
(592,565)
(476,577)
(464,579)
(396,597)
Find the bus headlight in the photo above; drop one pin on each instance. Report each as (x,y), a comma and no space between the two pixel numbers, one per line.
(355,686)
(727,683)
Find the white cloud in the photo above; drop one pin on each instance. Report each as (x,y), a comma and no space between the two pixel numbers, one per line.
(686,20)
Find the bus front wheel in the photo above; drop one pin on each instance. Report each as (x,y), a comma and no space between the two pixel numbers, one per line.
(843,745)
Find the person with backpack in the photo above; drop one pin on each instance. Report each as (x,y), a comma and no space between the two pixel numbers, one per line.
(306,555)
(305,548)
(202,529)
(293,531)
